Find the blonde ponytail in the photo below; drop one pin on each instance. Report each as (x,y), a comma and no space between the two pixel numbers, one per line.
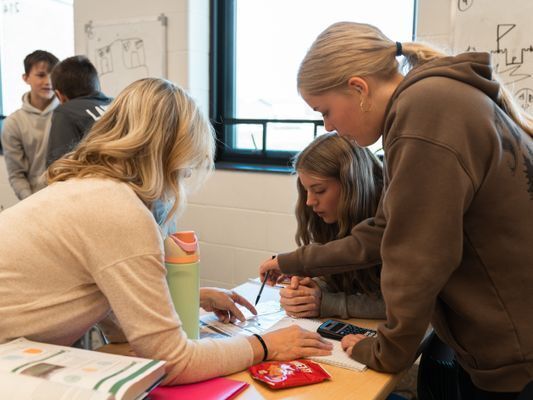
(347,49)
(416,54)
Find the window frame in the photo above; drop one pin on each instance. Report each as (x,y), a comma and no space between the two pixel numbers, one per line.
(222,101)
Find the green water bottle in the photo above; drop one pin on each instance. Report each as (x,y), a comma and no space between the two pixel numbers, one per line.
(182,260)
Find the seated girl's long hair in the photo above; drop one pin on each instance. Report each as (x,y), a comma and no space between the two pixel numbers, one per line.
(360,175)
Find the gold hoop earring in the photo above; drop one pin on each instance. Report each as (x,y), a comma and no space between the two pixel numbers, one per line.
(363,107)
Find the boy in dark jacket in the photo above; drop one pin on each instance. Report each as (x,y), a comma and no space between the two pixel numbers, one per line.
(76,84)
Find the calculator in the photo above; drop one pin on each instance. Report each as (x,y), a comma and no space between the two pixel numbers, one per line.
(334,329)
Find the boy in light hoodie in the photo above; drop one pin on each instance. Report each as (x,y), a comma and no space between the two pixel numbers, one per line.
(25,132)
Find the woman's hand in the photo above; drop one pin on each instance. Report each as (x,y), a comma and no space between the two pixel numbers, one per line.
(270,265)
(291,343)
(301,298)
(224,303)
(349,341)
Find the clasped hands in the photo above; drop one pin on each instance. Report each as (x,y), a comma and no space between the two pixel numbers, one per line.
(302,298)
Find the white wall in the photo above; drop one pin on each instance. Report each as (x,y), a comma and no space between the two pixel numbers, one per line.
(187,35)
(240,217)
(434,22)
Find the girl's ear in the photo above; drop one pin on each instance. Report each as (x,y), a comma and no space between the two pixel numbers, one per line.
(358,84)
(25,78)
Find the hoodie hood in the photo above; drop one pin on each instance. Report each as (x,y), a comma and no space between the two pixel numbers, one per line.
(474,69)
(26,105)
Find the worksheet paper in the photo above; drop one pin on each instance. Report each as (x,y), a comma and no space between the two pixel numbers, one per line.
(338,356)
(268,314)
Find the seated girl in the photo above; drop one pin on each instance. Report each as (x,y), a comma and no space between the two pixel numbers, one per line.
(339,185)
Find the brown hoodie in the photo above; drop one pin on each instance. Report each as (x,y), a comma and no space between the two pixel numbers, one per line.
(456,218)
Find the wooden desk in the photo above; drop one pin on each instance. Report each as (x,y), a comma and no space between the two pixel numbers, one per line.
(344,383)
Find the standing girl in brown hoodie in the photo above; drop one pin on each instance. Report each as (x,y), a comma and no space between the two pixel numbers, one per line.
(453,229)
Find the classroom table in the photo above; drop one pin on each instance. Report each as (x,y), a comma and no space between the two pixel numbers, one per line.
(344,383)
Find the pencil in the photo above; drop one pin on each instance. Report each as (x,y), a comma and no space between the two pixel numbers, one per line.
(262,287)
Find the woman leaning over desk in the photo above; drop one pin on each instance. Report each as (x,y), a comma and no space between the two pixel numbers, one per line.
(454,224)
(88,243)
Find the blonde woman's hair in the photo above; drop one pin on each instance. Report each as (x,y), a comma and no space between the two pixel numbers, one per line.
(151,137)
(360,176)
(347,49)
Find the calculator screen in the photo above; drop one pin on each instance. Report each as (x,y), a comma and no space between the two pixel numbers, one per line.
(337,327)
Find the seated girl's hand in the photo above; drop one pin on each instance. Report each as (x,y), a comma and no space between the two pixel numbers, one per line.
(349,341)
(271,265)
(224,303)
(295,342)
(301,298)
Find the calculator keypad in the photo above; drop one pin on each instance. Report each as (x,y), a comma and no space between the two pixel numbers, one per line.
(354,330)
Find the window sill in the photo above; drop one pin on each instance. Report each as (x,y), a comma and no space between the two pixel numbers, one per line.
(235,166)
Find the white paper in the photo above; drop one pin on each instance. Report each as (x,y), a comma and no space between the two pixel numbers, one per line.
(268,314)
(338,356)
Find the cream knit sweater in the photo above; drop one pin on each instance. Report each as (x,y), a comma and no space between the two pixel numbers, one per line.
(77,249)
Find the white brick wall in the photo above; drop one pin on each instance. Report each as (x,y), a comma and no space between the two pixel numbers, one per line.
(241,218)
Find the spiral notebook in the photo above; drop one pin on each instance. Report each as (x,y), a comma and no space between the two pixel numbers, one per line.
(337,358)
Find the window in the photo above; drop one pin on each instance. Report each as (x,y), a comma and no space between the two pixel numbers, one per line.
(25,26)
(256,48)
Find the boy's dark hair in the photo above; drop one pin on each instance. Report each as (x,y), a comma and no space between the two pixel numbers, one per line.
(37,57)
(75,76)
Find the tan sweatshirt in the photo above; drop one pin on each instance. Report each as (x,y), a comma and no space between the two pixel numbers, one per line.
(77,249)
(24,141)
(456,215)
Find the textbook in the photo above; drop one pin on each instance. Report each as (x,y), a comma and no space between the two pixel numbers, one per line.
(212,389)
(338,356)
(31,370)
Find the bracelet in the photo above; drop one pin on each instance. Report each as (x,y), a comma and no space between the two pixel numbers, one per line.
(265,348)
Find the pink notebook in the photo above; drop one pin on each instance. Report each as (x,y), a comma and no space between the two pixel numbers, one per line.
(213,389)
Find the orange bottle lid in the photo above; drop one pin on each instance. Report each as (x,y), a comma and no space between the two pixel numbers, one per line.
(181,248)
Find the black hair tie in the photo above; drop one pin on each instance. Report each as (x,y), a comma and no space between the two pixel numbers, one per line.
(265,348)
(398,49)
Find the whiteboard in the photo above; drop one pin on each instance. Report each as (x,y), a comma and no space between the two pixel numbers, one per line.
(503,28)
(126,50)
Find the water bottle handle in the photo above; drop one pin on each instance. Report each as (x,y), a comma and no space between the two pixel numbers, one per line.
(187,241)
